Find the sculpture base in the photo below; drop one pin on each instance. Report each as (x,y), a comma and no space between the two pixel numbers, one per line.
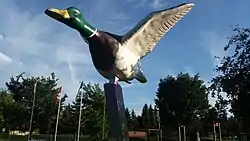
(116,112)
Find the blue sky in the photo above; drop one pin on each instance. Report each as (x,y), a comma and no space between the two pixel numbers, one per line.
(32,42)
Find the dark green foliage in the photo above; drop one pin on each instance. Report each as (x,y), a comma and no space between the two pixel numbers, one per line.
(94,123)
(145,116)
(67,124)
(234,76)
(151,118)
(209,118)
(129,119)
(135,124)
(148,117)
(7,108)
(181,100)
(44,112)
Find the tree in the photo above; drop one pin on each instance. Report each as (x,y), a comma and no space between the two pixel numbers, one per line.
(181,100)
(221,107)
(94,112)
(210,117)
(6,103)
(129,119)
(233,126)
(234,76)
(151,117)
(145,116)
(148,116)
(75,111)
(93,119)
(45,110)
(134,121)
(67,124)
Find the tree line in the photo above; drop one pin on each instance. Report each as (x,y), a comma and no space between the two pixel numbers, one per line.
(179,100)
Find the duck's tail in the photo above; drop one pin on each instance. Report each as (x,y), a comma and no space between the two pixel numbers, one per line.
(140,77)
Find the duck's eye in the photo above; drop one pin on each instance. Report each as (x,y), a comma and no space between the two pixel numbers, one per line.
(75,13)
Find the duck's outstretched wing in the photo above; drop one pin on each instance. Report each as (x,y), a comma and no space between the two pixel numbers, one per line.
(146,34)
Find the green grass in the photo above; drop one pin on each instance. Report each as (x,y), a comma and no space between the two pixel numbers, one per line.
(5,137)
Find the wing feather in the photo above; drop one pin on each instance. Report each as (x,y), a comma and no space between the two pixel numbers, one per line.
(146,34)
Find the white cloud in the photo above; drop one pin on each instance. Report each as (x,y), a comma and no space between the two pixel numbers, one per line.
(1,37)
(38,45)
(138,105)
(214,43)
(157,4)
(4,59)
(34,44)
(120,16)
(153,4)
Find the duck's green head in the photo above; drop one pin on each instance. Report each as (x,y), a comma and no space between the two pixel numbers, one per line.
(73,18)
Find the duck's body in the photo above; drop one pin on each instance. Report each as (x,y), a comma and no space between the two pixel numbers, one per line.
(111,59)
(115,57)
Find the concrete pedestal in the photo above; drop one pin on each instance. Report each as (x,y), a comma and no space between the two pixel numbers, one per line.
(116,112)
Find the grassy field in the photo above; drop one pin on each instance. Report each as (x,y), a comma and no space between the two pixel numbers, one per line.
(6,137)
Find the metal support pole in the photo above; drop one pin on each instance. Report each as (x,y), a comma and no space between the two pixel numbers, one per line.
(32,111)
(184,133)
(179,133)
(80,116)
(214,132)
(57,118)
(220,133)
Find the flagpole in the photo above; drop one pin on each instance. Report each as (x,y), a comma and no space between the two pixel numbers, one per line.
(32,111)
(57,118)
(80,113)
(58,113)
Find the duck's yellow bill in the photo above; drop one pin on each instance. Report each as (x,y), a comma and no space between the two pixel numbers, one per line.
(57,13)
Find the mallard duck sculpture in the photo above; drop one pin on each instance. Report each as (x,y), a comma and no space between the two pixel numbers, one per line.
(117,58)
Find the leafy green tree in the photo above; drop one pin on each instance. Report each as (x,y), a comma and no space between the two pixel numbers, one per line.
(148,117)
(75,111)
(15,117)
(140,126)
(181,100)
(129,119)
(156,117)
(145,116)
(210,117)
(93,118)
(134,121)
(221,107)
(67,124)
(234,76)
(6,103)
(151,117)
(233,126)
(127,113)
(45,110)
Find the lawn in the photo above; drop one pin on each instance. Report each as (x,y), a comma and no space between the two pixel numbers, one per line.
(6,137)
(47,137)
